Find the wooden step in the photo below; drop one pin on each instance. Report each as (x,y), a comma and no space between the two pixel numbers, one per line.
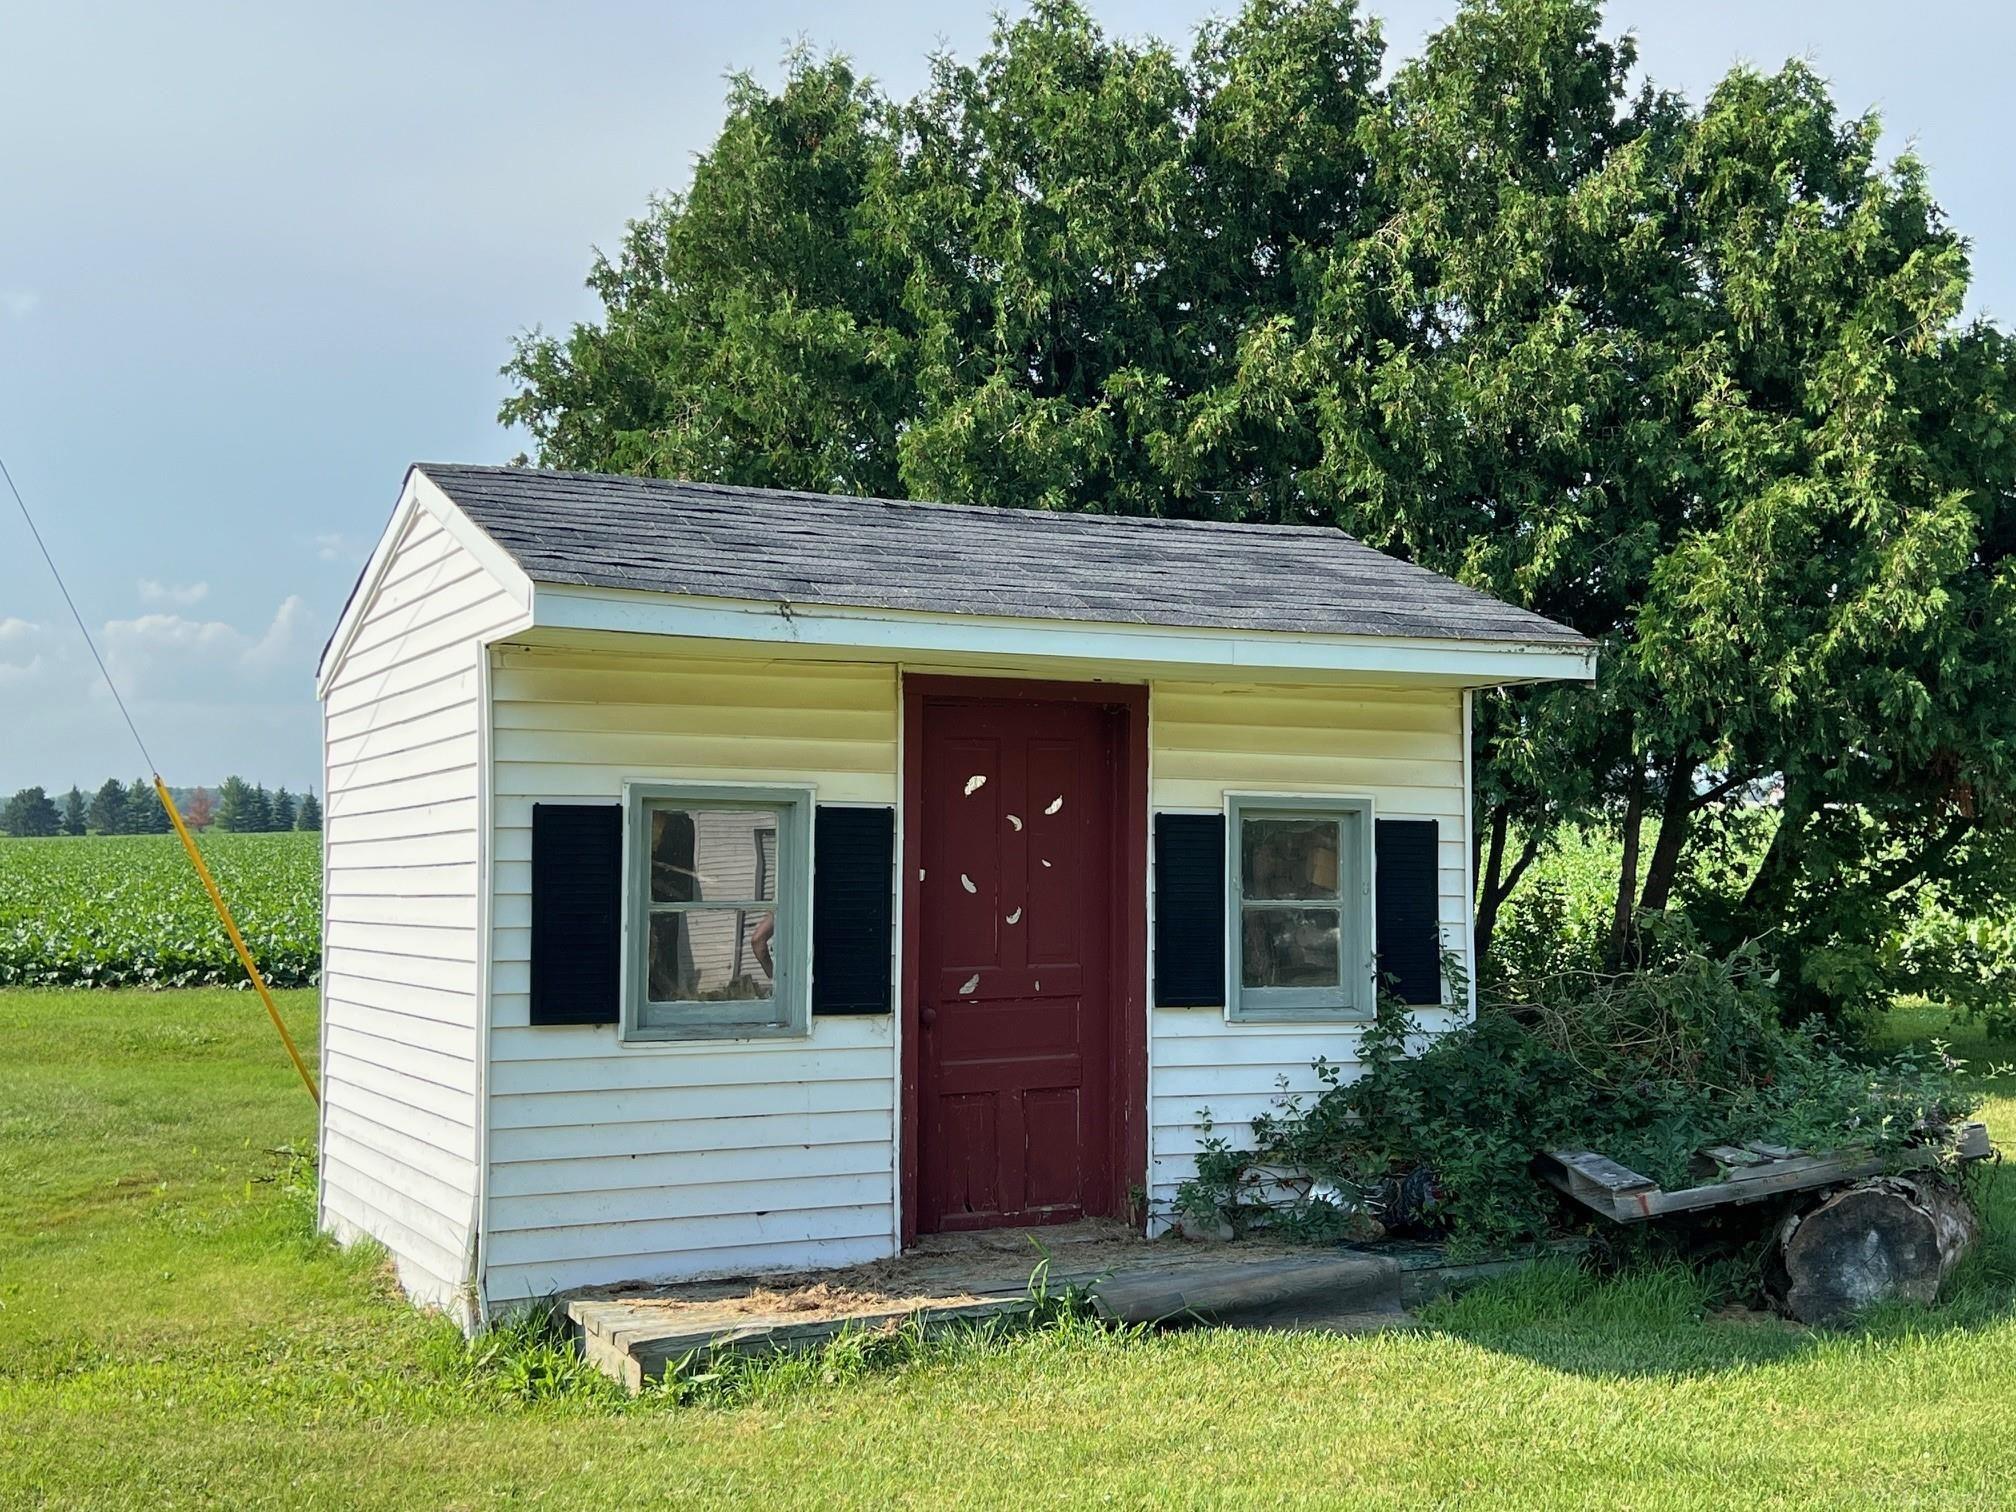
(636,1342)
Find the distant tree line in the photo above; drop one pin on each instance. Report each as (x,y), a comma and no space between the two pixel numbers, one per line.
(119,808)
(245,809)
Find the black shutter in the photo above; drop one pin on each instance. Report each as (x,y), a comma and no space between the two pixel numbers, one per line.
(1409,930)
(1190,910)
(853,909)
(577,912)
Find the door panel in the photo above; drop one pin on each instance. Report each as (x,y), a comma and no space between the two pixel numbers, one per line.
(1014,935)
(1056,837)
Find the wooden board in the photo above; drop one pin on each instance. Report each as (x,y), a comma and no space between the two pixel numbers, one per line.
(1753,1173)
(635,1340)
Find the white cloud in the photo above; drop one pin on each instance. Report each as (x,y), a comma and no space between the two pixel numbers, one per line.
(166,656)
(20,650)
(19,303)
(282,640)
(176,595)
(330,546)
(209,696)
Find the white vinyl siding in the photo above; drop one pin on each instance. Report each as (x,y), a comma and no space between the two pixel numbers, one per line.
(1400,748)
(613,1161)
(401,735)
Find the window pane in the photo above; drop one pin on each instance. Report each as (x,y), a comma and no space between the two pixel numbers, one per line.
(712,955)
(708,853)
(1290,947)
(1288,858)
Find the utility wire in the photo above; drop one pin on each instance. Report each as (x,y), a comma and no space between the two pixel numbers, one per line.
(64,589)
(252,971)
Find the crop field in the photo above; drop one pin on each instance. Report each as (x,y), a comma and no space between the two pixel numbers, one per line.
(128,911)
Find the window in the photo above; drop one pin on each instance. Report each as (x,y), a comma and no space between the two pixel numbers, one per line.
(1298,881)
(717,890)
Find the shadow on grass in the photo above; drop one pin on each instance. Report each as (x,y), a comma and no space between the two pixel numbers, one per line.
(1670,1320)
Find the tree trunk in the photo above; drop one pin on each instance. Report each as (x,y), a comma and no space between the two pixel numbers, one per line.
(1675,825)
(1890,1238)
(1495,826)
(1627,869)
(1495,883)
(1675,815)
(1488,895)
(1774,872)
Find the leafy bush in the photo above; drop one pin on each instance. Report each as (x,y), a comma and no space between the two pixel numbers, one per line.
(1935,942)
(1648,1068)
(128,910)
(1968,964)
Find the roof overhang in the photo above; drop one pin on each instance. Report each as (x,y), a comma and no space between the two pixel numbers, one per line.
(567,609)
(419,494)
(909,635)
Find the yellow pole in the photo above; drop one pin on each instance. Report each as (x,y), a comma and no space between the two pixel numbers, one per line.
(237,940)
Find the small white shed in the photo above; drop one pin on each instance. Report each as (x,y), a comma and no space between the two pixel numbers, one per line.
(721,880)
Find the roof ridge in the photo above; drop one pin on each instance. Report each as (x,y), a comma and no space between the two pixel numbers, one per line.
(1243,527)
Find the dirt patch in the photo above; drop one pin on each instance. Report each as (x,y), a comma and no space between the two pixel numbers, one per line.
(943,1270)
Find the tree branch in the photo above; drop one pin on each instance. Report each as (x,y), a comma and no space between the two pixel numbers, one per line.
(1702,800)
(1912,868)
(1527,853)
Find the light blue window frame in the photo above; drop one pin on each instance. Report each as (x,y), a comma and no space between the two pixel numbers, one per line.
(1354,998)
(788,1012)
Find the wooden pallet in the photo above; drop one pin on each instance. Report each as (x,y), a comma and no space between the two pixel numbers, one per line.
(1750,1173)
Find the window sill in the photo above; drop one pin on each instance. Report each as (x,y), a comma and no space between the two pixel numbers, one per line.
(714,1034)
(1300,1015)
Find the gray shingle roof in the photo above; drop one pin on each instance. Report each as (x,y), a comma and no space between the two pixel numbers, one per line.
(766,546)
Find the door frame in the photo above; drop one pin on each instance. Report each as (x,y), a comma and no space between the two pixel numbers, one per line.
(1127,993)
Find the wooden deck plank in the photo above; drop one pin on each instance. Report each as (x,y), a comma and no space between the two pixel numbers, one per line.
(636,1342)
(1621,1194)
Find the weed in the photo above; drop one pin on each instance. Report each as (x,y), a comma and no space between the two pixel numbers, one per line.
(527,1357)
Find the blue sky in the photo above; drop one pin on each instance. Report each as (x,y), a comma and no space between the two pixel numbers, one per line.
(254,259)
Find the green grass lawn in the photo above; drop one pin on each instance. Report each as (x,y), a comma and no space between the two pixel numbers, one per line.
(171,1334)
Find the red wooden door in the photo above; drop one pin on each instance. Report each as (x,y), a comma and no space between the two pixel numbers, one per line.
(1014,991)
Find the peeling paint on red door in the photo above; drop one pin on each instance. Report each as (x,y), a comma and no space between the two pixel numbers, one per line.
(1015,994)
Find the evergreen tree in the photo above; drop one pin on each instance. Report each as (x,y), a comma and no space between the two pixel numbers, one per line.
(107,814)
(283,810)
(144,812)
(310,816)
(74,822)
(30,813)
(235,806)
(259,810)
